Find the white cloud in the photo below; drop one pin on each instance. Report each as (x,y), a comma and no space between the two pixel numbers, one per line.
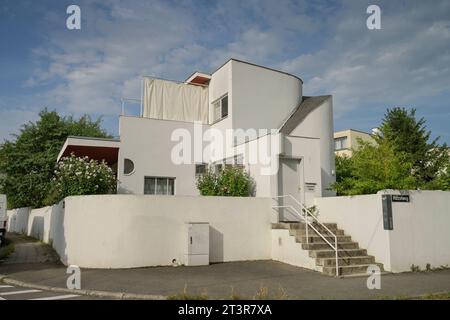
(405,62)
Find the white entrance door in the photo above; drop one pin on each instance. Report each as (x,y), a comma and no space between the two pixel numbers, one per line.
(289,182)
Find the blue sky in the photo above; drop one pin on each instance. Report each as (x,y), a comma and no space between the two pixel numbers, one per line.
(326,43)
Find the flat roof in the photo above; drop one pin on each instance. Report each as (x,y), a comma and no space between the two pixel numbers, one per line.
(259,66)
(94,148)
(340,131)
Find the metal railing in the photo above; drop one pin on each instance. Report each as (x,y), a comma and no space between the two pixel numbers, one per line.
(303,215)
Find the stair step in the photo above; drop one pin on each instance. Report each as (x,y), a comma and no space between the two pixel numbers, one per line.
(311,232)
(341,253)
(325,246)
(301,225)
(352,260)
(348,270)
(318,239)
(345,261)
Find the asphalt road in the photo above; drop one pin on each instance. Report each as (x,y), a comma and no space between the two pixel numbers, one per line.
(35,264)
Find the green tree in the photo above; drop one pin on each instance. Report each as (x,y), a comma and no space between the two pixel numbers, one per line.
(373,168)
(411,137)
(27,162)
(343,174)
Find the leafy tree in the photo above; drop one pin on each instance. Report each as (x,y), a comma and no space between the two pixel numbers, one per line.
(374,168)
(410,136)
(28,161)
(343,174)
(79,176)
(402,158)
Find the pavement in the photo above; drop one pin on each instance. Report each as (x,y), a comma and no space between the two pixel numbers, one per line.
(217,281)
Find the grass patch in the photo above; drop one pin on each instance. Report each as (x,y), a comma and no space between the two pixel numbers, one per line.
(434,296)
(261,294)
(184,295)
(6,250)
(430,296)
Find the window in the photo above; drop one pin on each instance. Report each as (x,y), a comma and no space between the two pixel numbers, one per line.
(220,109)
(128,166)
(200,168)
(159,186)
(219,167)
(340,143)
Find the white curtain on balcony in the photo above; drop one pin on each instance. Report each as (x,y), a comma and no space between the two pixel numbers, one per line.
(175,101)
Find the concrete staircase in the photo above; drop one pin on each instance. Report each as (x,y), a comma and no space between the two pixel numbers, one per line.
(352,259)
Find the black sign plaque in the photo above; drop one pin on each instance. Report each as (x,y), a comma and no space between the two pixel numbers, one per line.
(400,198)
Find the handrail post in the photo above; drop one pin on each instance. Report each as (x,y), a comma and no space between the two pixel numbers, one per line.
(337,259)
(305,217)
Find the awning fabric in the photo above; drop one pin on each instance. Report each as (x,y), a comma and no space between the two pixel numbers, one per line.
(175,101)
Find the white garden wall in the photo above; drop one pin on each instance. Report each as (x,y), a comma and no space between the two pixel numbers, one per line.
(125,231)
(421,227)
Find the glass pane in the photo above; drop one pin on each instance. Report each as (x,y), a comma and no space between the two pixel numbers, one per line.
(171,185)
(217,111)
(337,144)
(200,168)
(344,143)
(149,186)
(225,107)
(128,166)
(161,186)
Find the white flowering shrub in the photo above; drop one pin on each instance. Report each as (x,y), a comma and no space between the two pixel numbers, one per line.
(80,176)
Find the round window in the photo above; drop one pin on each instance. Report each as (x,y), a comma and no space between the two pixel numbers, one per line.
(128,166)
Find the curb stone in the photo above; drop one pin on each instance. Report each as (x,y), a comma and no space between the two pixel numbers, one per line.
(92,293)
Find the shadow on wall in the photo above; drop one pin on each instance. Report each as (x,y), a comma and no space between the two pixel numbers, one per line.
(56,233)
(123,190)
(215,245)
(37,228)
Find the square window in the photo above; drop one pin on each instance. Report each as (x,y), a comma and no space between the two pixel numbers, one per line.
(340,143)
(220,108)
(200,168)
(224,107)
(159,186)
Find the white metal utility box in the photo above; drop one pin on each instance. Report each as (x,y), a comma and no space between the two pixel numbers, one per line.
(197,244)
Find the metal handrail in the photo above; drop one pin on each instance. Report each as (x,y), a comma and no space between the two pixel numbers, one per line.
(304,217)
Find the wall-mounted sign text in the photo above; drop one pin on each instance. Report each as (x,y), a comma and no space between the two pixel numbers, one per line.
(400,198)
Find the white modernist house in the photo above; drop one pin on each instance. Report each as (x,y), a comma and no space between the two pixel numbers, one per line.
(258,112)
(176,135)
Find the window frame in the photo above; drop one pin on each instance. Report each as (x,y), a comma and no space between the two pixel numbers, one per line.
(132,171)
(341,140)
(156,185)
(205,165)
(221,116)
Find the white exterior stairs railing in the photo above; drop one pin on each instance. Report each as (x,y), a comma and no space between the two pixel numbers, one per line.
(308,218)
(333,252)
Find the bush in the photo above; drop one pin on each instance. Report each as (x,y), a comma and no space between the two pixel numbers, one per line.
(232,181)
(80,176)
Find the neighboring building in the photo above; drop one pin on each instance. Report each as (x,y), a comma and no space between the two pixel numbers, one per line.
(346,141)
(238,95)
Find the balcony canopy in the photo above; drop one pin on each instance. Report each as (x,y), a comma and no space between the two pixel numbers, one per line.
(94,148)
